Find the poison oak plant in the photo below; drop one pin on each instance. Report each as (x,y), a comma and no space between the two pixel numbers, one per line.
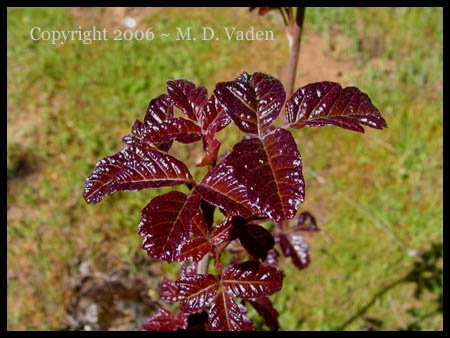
(259,180)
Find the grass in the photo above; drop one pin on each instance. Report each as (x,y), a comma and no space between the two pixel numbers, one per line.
(376,196)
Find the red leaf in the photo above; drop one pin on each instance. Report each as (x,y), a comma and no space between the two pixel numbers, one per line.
(221,188)
(256,240)
(227,315)
(159,109)
(305,222)
(164,320)
(225,231)
(195,249)
(293,245)
(189,98)
(199,226)
(166,223)
(270,170)
(168,291)
(134,169)
(260,176)
(177,129)
(213,116)
(252,280)
(197,291)
(252,101)
(265,308)
(327,103)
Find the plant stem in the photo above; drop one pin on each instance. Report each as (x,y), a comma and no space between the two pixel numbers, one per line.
(202,266)
(294,34)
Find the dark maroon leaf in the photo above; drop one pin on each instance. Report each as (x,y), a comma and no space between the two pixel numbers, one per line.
(225,231)
(256,240)
(177,129)
(327,103)
(264,307)
(159,109)
(166,223)
(164,320)
(195,249)
(134,169)
(305,222)
(189,98)
(293,245)
(227,315)
(252,280)
(199,227)
(252,101)
(221,188)
(168,291)
(197,291)
(270,169)
(213,116)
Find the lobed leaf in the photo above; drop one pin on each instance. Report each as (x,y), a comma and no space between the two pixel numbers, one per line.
(327,103)
(164,320)
(227,315)
(194,249)
(132,169)
(168,291)
(159,110)
(166,224)
(252,101)
(220,187)
(176,129)
(252,280)
(197,291)
(189,98)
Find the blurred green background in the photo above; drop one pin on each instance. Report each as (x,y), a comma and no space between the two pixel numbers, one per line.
(377,196)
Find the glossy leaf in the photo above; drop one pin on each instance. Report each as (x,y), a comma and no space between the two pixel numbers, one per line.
(159,110)
(164,320)
(252,101)
(256,240)
(293,245)
(189,98)
(134,169)
(327,103)
(177,129)
(271,170)
(197,291)
(221,188)
(225,231)
(166,223)
(264,307)
(227,315)
(194,249)
(168,291)
(252,279)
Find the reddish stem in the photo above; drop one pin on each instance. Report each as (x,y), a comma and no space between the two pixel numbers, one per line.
(294,34)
